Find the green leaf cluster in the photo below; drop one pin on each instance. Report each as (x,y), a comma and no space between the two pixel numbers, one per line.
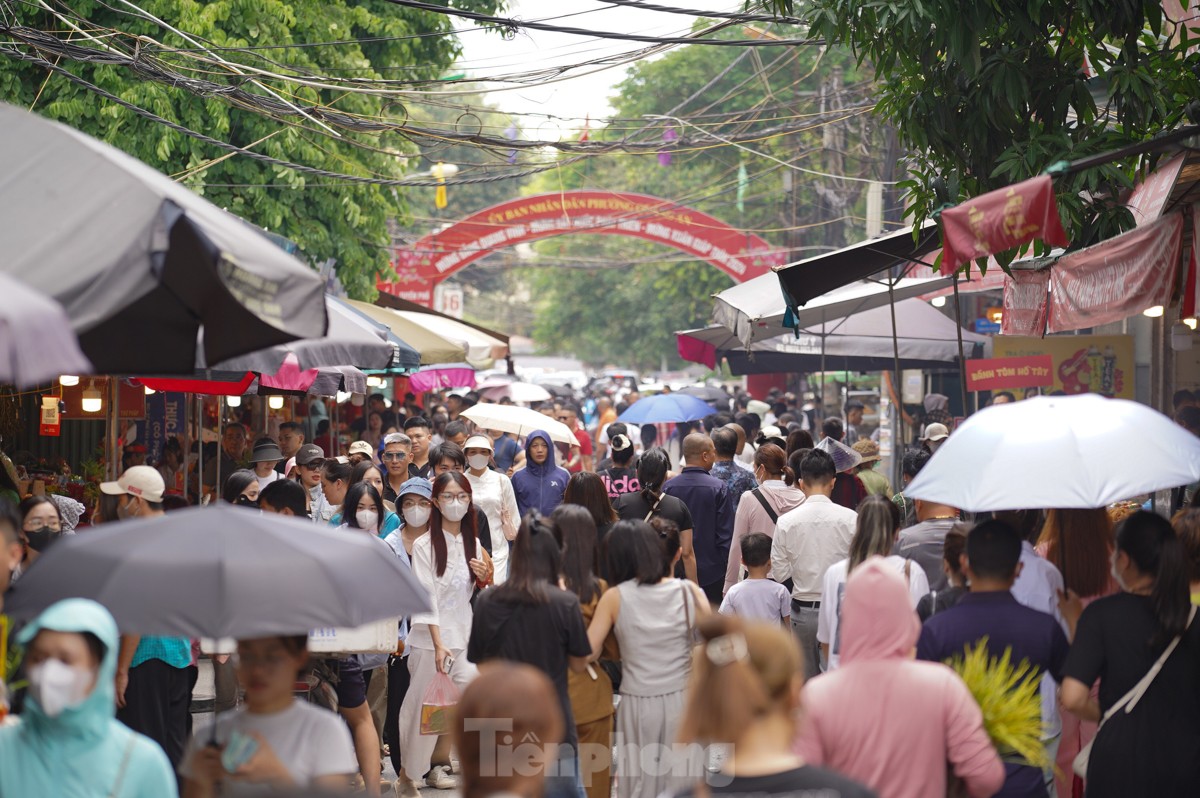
(1009,695)
(327,218)
(990,93)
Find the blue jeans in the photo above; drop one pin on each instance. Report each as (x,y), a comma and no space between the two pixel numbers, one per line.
(566,783)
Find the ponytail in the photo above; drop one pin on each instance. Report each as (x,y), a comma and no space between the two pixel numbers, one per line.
(652,472)
(741,673)
(771,459)
(1151,543)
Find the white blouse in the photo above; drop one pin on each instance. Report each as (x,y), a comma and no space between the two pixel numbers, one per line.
(449,594)
(493,492)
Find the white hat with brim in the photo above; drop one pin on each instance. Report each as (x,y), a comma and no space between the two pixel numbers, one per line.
(361,447)
(844,458)
(936,432)
(141,481)
(479,442)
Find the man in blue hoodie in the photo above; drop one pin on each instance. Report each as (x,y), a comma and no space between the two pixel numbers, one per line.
(540,484)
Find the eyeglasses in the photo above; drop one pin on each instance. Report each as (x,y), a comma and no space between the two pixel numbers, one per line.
(31,525)
(395,456)
(454,497)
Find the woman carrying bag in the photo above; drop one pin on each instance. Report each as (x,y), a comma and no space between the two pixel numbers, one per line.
(1144,647)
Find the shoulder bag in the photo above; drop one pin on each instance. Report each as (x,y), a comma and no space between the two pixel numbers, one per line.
(1130,699)
(758,494)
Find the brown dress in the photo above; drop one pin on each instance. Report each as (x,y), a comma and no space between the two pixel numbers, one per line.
(591,696)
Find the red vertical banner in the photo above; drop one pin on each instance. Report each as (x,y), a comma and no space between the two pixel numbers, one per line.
(50,421)
(1001,220)
(1025,303)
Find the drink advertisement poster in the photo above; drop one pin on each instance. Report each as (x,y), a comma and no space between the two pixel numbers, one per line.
(1100,364)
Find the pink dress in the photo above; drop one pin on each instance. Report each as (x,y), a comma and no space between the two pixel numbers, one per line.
(885,719)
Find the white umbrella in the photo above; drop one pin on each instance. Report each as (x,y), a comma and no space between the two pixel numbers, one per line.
(518,421)
(523,392)
(1058,451)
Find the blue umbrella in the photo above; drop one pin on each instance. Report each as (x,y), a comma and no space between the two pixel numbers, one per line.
(665,408)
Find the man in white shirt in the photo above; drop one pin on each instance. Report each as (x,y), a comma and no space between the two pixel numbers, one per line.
(807,541)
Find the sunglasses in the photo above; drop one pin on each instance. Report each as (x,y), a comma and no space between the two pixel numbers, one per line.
(395,456)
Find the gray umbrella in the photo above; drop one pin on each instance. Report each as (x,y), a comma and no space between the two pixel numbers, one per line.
(36,341)
(352,340)
(146,270)
(223,571)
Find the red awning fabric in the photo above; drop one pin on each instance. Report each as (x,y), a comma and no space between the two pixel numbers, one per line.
(210,387)
(1025,303)
(1117,278)
(1001,220)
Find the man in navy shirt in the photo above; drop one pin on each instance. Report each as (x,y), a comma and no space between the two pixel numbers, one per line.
(992,563)
(712,513)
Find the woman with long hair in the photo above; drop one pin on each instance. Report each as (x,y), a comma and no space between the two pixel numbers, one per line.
(367,473)
(363,509)
(451,565)
(592,692)
(530,619)
(875,536)
(653,615)
(744,693)
(650,502)
(1080,544)
(586,489)
(758,511)
(1153,746)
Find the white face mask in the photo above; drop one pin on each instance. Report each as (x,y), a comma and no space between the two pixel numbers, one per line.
(367,519)
(57,686)
(416,515)
(478,462)
(454,511)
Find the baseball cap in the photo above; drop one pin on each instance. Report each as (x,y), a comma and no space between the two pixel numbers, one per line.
(310,454)
(266,451)
(142,481)
(418,486)
(479,442)
(361,447)
(936,432)
(772,434)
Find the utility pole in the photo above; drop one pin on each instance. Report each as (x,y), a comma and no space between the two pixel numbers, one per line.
(832,190)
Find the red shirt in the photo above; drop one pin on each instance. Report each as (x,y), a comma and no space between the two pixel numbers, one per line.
(585,449)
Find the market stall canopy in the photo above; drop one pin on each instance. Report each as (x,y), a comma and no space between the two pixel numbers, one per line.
(805,280)
(36,342)
(352,339)
(441,377)
(756,310)
(482,349)
(519,392)
(148,272)
(433,348)
(861,342)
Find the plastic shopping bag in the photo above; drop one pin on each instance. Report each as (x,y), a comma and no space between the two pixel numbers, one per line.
(438,705)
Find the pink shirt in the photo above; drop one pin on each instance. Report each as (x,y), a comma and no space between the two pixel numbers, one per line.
(884,719)
(752,517)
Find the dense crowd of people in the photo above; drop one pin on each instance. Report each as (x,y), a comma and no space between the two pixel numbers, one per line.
(740,605)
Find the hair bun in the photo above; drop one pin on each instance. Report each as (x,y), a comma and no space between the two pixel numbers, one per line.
(620,443)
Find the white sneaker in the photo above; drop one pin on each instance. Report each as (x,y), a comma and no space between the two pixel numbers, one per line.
(406,788)
(455,766)
(440,779)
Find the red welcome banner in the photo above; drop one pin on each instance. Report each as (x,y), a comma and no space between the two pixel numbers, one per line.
(1117,278)
(1003,373)
(422,265)
(1001,220)
(1025,303)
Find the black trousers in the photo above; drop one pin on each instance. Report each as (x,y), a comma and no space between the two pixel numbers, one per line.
(713,592)
(157,704)
(398,680)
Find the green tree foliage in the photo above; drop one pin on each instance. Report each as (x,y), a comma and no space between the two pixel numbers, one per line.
(987,94)
(326,217)
(625,299)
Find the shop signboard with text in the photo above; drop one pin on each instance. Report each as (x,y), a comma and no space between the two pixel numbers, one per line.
(1100,364)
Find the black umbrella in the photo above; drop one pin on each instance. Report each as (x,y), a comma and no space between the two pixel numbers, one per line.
(223,571)
(708,394)
(147,271)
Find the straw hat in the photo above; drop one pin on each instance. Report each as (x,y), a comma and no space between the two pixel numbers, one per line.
(868,448)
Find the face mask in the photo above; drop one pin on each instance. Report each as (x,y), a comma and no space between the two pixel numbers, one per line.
(416,515)
(58,687)
(478,462)
(367,519)
(246,501)
(41,538)
(454,511)
(127,510)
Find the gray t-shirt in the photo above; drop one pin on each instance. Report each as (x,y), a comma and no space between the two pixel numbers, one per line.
(923,543)
(758,600)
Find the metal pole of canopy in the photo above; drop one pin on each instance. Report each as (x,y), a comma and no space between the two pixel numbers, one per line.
(900,436)
(962,359)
